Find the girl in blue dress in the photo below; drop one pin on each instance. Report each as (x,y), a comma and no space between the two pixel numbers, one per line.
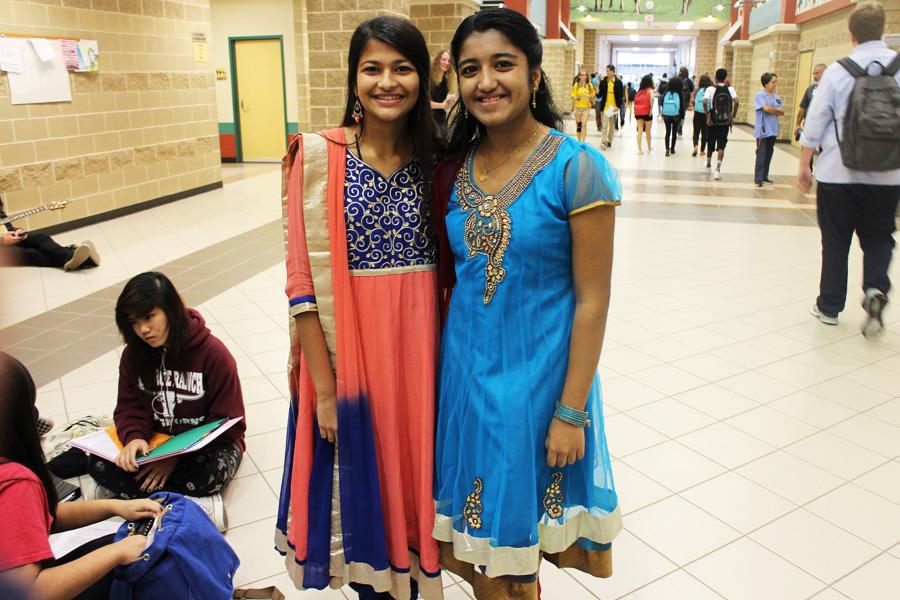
(522,468)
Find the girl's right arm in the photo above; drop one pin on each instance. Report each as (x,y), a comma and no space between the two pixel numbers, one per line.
(67,581)
(310,337)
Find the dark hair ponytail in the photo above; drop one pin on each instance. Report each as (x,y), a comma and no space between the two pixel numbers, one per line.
(406,39)
(521,33)
(19,439)
(139,297)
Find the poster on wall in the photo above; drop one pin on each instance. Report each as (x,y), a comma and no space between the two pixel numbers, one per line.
(40,80)
(88,50)
(11,55)
(807,5)
(640,10)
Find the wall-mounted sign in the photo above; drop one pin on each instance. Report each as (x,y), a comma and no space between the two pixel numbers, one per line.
(807,5)
(201,48)
(220,75)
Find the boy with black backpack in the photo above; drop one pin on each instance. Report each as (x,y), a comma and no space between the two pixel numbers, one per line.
(720,103)
(855,119)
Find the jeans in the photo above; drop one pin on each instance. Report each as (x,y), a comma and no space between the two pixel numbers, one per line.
(870,211)
(671,131)
(765,148)
(700,130)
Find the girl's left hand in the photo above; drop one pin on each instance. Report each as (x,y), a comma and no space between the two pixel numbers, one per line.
(565,444)
(156,474)
(133,510)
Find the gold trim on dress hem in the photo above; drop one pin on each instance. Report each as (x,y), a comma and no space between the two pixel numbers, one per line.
(595,205)
(554,538)
(392,270)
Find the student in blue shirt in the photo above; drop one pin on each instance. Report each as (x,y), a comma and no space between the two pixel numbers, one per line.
(851,200)
(768,108)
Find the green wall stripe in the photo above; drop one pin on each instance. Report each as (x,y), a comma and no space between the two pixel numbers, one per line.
(226,128)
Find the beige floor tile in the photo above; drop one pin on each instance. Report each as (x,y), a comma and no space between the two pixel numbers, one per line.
(260,389)
(254,546)
(670,417)
(560,584)
(790,477)
(812,409)
(745,570)
(668,379)
(738,502)
(673,466)
(873,581)
(816,546)
(677,585)
(850,394)
(665,349)
(871,433)
(836,455)
(634,489)
(888,412)
(263,417)
(286,586)
(249,499)
(626,436)
(626,360)
(678,530)
(709,366)
(624,393)
(758,387)
(716,401)
(861,512)
(267,450)
(883,380)
(771,426)
(635,564)
(726,445)
(884,481)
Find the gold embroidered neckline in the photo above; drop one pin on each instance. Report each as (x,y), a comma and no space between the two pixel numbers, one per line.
(488,227)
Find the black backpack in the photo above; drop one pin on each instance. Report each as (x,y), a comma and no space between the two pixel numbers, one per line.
(722,109)
(872,121)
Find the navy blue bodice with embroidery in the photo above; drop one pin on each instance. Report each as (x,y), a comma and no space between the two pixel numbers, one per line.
(388,222)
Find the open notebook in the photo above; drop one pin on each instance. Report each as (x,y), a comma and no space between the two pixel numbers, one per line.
(106,444)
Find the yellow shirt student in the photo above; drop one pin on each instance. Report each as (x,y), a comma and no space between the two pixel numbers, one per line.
(610,94)
(583,95)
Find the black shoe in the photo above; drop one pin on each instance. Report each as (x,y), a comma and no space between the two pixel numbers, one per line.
(667,151)
(768,181)
(757,183)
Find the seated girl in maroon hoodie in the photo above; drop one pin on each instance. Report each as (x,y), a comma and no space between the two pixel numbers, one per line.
(173,376)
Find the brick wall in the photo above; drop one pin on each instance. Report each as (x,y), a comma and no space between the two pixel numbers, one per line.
(141,128)
(439,19)
(559,66)
(590,61)
(707,43)
(740,78)
(330,24)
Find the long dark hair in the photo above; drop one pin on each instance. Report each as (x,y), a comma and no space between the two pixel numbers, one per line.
(139,297)
(521,34)
(676,85)
(406,39)
(19,439)
(646,82)
(705,81)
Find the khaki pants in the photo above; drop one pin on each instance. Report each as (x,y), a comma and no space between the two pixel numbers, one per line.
(609,126)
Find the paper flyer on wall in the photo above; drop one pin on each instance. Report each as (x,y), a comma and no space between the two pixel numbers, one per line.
(70,54)
(88,51)
(11,55)
(40,81)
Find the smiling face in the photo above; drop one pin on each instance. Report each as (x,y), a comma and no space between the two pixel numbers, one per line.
(495,81)
(152,328)
(583,76)
(444,63)
(387,83)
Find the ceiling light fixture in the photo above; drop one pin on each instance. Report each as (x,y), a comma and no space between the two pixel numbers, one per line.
(636,49)
(582,8)
(634,37)
(667,37)
(684,25)
(660,49)
(720,7)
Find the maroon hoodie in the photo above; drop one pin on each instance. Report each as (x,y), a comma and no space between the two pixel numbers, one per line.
(206,390)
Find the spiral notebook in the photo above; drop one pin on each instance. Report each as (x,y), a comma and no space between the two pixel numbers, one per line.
(101,443)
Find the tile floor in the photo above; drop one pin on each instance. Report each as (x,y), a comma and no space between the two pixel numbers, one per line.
(756,452)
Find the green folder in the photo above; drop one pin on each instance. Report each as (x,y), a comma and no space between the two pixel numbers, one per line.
(181,443)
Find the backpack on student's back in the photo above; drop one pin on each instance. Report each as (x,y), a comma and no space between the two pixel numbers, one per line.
(671,104)
(872,121)
(188,558)
(698,100)
(722,107)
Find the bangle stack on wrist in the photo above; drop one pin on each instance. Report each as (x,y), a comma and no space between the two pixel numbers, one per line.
(572,416)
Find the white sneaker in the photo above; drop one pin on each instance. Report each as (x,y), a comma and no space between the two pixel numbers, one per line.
(718,174)
(708,169)
(94,491)
(814,311)
(214,507)
(873,304)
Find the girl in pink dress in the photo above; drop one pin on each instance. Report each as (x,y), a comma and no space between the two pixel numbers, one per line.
(356,500)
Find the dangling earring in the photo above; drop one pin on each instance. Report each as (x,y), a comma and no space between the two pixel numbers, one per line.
(534,98)
(357,111)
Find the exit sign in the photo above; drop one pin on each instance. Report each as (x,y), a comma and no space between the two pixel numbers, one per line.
(648,18)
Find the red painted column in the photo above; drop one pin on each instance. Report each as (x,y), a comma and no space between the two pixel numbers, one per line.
(566,13)
(745,25)
(520,6)
(553,18)
(789,11)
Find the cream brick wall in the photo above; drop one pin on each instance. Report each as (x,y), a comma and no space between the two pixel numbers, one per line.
(438,20)
(330,24)
(827,37)
(141,128)
(740,76)
(706,53)
(559,66)
(590,59)
(301,61)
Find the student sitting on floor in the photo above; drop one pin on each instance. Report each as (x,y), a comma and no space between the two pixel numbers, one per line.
(174,375)
(29,249)
(29,510)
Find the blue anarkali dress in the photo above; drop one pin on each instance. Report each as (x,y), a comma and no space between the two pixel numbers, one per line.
(504,359)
